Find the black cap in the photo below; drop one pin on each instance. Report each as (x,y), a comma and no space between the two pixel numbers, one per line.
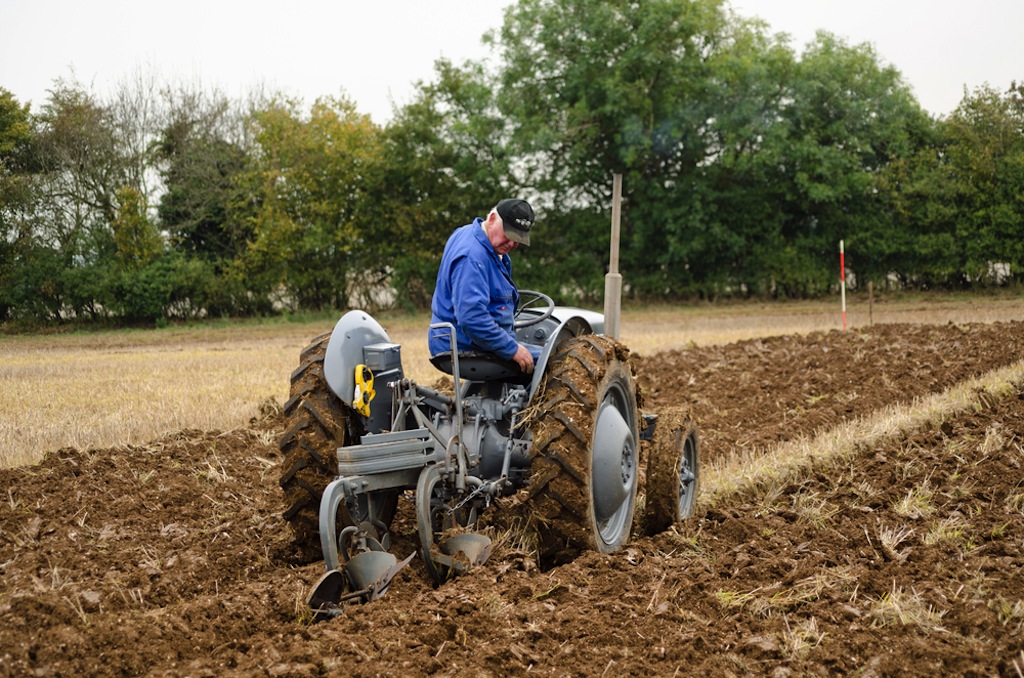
(517,217)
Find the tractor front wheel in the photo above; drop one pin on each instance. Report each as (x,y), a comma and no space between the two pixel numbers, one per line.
(673,473)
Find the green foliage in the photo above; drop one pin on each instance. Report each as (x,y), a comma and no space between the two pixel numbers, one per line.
(166,287)
(136,239)
(850,117)
(15,133)
(955,203)
(17,192)
(603,86)
(743,166)
(309,236)
(986,152)
(201,170)
(444,161)
(31,286)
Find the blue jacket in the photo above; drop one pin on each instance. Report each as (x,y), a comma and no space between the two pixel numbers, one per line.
(475,293)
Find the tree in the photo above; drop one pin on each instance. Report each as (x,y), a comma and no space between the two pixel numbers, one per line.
(17,195)
(985,137)
(80,158)
(200,167)
(137,241)
(15,138)
(310,238)
(92,220)
(849,117)
(445,159)
(736,209)
(135,117)
(602,86)
(742,165)
(954,204)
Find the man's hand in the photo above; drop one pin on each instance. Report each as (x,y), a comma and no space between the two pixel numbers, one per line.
(524,359)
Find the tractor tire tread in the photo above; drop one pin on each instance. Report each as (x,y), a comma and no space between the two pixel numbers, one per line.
(317,425)
(559,487)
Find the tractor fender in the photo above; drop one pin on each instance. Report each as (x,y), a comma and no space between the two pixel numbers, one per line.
(354,331)
(569,326)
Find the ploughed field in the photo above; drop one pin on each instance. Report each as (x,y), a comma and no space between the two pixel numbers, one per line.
(172,559)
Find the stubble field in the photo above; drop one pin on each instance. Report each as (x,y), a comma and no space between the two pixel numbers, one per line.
(862,512)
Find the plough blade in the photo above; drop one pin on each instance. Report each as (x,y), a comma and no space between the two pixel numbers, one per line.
(366,577)
(474,548)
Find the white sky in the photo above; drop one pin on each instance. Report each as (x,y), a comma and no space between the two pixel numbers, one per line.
(375,50)
(940,46)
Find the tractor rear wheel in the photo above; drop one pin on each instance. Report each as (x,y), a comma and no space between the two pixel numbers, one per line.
(318,423)
(585,452)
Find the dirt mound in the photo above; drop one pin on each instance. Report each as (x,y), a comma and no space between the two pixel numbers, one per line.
(172,558)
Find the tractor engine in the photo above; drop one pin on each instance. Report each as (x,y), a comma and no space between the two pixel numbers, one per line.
(488,433)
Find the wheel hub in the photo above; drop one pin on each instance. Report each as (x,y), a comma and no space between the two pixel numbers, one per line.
(614,469)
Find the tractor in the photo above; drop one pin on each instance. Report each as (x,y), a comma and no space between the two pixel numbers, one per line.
(566,440)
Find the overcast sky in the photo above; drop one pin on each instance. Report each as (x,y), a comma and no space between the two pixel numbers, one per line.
(375,50)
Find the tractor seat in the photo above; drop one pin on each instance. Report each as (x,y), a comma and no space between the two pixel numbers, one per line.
(478,366)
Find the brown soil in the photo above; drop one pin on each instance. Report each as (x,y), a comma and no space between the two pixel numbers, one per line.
(172,558)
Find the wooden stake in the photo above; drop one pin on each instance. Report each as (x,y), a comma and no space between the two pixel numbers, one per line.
(871,302)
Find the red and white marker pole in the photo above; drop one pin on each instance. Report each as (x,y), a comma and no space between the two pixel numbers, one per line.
(842,279)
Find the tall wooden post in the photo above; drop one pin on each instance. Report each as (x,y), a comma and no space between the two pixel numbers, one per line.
(612,280)
(871,303)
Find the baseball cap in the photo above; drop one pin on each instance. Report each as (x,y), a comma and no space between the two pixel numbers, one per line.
(517,217)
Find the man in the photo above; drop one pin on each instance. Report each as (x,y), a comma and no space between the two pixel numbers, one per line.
(475,291)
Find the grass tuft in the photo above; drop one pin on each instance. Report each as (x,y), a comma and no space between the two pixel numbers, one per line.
(995,440)
(814,509)
(891,538)
(917,503)
(905,608)
(801,638)
(1010,613)
(948,530)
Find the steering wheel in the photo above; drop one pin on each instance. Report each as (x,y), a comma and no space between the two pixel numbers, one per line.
(532,306)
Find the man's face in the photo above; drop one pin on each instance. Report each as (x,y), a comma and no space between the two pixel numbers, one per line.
(496,235)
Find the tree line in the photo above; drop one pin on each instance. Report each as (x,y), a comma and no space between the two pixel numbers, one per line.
(744,163)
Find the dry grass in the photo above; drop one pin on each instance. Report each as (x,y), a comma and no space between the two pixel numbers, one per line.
(97,391)
(776,598)
(905,608)
(917,503)
(800,638)
(948,530)
(1010,613)
(890,538)
(121,388)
